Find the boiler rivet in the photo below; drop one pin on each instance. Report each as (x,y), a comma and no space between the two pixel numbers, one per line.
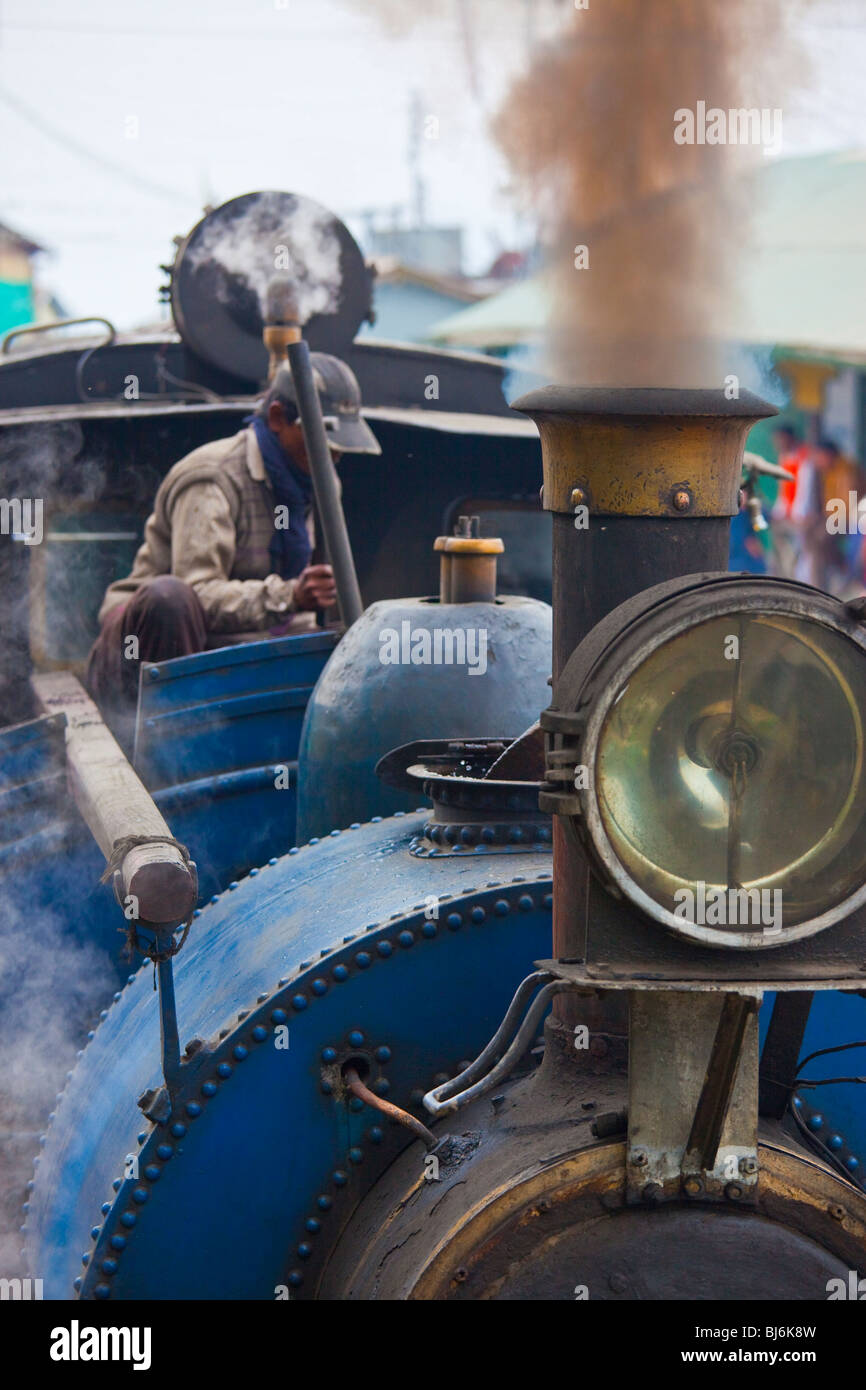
(681,499)
(578,497)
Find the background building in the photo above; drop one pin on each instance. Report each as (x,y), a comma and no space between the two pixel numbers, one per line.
(17,292)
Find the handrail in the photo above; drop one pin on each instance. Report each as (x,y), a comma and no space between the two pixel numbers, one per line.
(56,323)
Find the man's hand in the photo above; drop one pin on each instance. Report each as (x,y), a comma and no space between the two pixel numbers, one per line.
(315,588)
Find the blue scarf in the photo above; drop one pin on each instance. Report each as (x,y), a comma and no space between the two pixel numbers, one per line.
(290,548)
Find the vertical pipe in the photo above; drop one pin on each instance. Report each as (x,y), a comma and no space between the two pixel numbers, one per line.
(169,1037)
(324,475)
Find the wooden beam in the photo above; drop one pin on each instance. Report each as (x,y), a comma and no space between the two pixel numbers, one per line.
(115,803)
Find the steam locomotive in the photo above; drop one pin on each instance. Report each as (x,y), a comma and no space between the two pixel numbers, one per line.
(557,1033)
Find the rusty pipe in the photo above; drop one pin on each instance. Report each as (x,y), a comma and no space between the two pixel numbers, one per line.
(357,1088)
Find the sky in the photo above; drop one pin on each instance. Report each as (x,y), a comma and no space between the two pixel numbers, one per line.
(120,120)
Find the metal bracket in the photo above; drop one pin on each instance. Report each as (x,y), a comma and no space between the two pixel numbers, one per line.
(693,1096)
(562,721)
(563,733)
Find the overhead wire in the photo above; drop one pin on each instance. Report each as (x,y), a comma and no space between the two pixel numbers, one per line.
(51,132)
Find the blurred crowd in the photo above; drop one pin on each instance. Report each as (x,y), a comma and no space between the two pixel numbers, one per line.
(813,527)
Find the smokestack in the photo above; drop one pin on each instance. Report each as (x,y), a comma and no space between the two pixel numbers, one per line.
(642,484)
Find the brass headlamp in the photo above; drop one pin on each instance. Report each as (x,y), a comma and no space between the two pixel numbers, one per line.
(713,735)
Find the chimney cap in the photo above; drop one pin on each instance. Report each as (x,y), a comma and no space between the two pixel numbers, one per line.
(644,402)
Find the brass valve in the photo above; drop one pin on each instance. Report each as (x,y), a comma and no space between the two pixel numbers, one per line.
(467,564)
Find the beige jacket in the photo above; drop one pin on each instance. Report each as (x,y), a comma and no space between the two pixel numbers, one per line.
(211,526)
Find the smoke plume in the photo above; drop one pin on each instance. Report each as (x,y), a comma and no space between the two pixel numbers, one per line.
(590,132)
(644,234)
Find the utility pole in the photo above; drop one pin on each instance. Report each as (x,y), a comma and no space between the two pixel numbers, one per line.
(467,31)
(416,134)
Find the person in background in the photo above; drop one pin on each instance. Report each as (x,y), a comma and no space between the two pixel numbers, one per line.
(791,452)
(823,476)
(809,523)
(227,552)
(840,477)
(788,511)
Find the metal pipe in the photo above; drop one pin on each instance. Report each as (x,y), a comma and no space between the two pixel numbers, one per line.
(282,322)
(118,809)
(150,868)
(503,1068)
(169,1036)
(357,1087)
(55,324)
(505,1030)
(324,475)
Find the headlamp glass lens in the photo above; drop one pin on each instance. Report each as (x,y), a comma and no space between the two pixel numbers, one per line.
(733,757)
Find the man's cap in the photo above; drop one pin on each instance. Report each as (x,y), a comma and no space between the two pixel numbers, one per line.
(340,398)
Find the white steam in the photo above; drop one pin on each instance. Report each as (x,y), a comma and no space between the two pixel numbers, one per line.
(265,241)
